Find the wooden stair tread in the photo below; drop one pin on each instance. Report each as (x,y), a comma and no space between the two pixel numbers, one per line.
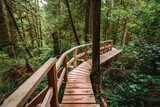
(78,91)
(78,80)
(78,85)
(79,105)
(79,99)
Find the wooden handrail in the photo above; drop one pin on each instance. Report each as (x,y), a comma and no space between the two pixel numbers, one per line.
(49,96)
(21,95)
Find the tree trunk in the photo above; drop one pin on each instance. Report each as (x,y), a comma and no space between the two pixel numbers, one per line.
(73,27)
(125,32)
(5,38)
(30,32)
(16,26)
(95,75)
(40,32)
(22,26)
(13,19)
(87,20)
(116,35)
(4,30)
(55,43)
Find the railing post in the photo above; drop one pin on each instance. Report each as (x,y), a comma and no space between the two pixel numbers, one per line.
(85,53)
(75,58)
(104,50)
(52,82)
(111,44)
(65,66)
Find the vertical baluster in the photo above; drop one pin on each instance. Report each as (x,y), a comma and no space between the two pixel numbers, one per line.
(85,53)
(65,66)
(111,45)
(75,58)
(104,50)
(52,82)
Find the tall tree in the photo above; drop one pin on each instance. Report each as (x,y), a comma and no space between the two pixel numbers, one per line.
(125,31)
(73,27)
(87,19)
(95,76)
(5,38)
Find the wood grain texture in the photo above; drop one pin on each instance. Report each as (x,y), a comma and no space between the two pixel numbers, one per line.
(79,105)
(79,99)
(78,91)
(21,95)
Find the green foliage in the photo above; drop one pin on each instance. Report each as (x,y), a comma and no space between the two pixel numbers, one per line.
(136,82)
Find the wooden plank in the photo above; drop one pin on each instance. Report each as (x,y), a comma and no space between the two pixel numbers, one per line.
(78,91)
(70,66)
(79,99)
(21,95)
(38,99)
(65,66)
(82,70)
(61,79)
(79,105)
(78,85)
(48,97)
(80,74)
(59,71)
(75,58)
(78,80)
(70,61)
(85,51)
(52,82)
(76,75)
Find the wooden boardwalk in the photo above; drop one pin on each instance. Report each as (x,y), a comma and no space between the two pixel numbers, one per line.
(78,91)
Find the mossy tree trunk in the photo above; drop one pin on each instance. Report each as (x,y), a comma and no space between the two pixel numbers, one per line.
(73,27)
(95,75)
(5,37)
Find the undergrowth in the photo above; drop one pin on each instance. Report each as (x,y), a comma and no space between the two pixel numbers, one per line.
(134,79)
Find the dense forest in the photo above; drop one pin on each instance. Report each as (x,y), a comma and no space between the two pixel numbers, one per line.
(32,31)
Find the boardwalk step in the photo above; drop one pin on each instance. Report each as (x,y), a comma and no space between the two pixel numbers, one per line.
(78,85)
(79,99)
(79,105)
(78,91)
(78,80)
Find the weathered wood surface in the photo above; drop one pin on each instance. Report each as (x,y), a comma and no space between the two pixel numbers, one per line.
(78,91)
(79,105)
(107,56)
(21,95)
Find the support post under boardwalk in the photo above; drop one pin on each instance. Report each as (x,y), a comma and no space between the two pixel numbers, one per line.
(52,82)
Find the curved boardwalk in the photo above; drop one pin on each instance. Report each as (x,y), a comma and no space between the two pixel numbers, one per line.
(78,91)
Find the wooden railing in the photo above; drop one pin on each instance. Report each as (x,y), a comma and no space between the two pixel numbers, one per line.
(49,95)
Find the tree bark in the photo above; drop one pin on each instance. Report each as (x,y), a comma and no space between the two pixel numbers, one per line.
(4,30)
(5,37)
(116,34)
(30,32)
(55,43)
(95,75)
(125,32)
(73,27)
(87,20)
(16,26)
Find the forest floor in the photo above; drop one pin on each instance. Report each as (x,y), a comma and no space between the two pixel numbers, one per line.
(123,85)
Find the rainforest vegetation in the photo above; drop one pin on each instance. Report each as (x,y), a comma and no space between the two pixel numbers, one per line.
(32,31)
